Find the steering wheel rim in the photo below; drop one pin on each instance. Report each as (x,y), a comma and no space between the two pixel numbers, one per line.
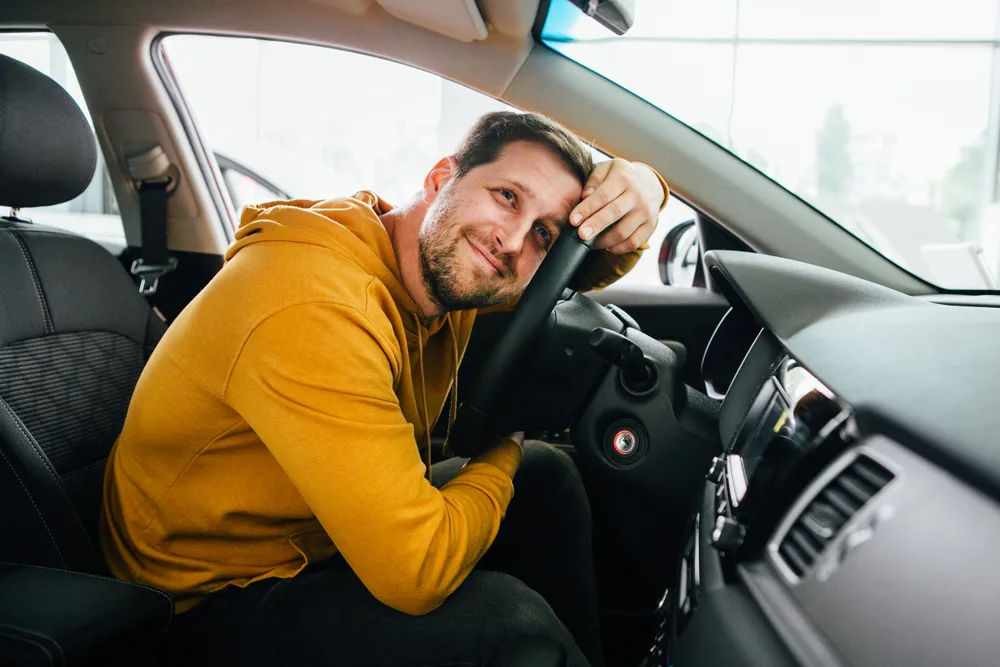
(470,433)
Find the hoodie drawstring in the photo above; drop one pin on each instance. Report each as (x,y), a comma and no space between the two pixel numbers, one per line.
(423,394)
(453,412)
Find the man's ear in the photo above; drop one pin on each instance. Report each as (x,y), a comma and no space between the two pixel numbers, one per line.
(438,177)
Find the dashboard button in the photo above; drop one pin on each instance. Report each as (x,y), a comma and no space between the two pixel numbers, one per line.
(624,442)
(728,534)
(715,472)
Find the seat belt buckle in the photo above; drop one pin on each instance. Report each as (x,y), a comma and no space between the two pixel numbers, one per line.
(149,274)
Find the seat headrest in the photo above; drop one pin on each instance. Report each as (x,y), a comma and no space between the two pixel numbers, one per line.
(47,149)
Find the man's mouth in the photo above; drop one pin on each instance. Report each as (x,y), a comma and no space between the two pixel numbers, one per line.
(486,257)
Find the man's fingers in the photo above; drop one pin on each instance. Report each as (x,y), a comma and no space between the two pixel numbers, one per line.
(597,176)
(602,194)
(633,242)
(623,229)
(608,215)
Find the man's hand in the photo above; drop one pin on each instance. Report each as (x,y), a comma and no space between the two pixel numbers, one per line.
(624,196)
(517,437)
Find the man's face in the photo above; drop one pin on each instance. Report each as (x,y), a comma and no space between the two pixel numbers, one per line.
(486,233)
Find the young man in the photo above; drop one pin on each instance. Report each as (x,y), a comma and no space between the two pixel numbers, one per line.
(269,474)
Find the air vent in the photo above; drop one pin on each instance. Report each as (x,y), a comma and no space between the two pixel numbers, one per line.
(830,510)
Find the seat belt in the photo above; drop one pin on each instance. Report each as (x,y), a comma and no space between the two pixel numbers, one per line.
(155,181)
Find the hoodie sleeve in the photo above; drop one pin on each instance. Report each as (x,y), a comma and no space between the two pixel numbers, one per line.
(324,405)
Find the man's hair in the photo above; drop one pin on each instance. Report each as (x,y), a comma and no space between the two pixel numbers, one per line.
(495,131)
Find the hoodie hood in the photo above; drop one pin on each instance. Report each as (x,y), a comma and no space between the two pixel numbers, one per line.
(351,226)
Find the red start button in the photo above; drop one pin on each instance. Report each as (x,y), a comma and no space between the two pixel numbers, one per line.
(624,442)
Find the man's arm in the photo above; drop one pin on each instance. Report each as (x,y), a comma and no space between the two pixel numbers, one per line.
(326,409)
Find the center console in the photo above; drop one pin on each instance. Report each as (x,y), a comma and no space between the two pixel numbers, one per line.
(824,537)
(791,428)
(781,428)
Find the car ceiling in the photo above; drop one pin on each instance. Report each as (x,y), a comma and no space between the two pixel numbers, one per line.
(437,35)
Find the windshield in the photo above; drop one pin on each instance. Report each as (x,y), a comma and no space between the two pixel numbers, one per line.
(885,118)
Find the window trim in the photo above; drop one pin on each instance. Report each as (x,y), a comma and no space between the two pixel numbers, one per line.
(228,163)
(211,174)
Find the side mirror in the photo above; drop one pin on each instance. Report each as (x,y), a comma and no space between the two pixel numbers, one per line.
(680,255)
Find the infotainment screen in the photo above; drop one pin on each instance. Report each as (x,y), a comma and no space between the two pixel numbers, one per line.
(775,418)
(799,409)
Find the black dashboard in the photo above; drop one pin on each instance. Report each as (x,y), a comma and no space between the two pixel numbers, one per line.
(853,516)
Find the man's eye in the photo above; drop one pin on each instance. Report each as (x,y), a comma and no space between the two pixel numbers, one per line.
(508,195)
(543,233)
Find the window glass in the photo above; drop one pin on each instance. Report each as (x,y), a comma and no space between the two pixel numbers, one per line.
(314,123)
(869,19)
(884,117)
(94,213)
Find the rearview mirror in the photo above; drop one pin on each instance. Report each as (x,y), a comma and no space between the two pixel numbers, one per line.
(680,255)
(615,15)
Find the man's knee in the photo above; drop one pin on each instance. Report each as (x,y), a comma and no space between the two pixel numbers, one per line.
(517,610)
(504,612)
(544,459)
(549,468)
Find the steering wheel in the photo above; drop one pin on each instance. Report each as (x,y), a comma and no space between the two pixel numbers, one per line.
(471,433)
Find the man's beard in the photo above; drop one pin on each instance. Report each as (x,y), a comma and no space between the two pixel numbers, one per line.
(443,269)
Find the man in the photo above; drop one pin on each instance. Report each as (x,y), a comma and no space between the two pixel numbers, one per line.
(269,475)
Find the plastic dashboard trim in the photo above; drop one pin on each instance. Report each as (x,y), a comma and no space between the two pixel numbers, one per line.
(789,621)
(867,343)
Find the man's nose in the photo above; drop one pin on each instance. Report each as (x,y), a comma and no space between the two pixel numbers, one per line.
(510,234)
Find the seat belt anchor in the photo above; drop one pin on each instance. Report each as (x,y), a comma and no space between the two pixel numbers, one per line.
(149,274)
(155,178)
(153,166)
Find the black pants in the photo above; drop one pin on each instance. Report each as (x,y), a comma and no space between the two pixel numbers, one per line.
(536,579)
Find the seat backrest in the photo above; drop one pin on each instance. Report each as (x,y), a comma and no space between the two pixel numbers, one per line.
(74,335)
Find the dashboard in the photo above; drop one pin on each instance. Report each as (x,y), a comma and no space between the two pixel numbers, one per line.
(853,516)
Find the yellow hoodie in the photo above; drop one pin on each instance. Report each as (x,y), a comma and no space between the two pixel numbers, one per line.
(277,422)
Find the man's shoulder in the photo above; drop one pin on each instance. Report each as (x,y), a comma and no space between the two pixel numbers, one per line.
(278,275)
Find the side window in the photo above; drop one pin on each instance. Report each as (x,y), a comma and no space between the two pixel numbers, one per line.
(306,122)
(245,186)
(94,213)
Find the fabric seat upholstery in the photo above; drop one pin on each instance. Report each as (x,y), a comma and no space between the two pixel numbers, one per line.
(74,335)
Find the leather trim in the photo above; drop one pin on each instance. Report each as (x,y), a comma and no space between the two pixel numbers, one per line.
(41,517)
(28,636)
(33,270)
(84,616)
(87,288)
(36,448)
(47,493)
(21,316)
(161,593)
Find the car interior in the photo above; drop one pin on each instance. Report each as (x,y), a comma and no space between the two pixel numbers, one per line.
(787,442)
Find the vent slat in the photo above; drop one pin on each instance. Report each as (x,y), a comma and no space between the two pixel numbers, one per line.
(823,519)
(809,545)
(860,491)
(875,475)
(833,507)
(844,502)
(793,557)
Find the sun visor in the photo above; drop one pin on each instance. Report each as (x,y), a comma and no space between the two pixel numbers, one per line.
(458,19)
